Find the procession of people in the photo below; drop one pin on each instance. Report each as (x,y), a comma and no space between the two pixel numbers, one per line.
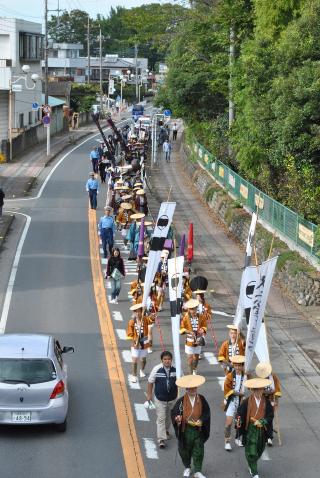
(249,399)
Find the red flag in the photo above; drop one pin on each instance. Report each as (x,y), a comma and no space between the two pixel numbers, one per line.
(190,243)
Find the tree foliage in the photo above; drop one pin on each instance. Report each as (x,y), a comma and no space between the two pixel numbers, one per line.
(275,79)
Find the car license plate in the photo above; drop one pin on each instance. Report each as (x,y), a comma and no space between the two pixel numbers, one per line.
(21,417)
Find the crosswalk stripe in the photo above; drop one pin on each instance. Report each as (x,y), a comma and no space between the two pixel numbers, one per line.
(126,355)
(117,315)
(122,334)
(141,412)
(151,448)
(211,358)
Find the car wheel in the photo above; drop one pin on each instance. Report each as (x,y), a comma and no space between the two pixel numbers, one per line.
(62,427)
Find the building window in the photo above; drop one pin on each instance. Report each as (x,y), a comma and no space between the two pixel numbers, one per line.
(30,117)
(30,46)
(21,120)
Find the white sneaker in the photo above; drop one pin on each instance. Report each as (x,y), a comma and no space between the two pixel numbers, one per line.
(256,476)
(149,350)
(133,379)
(112,301)
(270,442)
(187,472)
(194,372)
(142,374)
(227,446)
(199,475)
(115,300)
(238,441)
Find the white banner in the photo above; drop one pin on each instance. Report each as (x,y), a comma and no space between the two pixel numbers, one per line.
(259,301)
(250,239)
(248,282)
(159,236)
(261,349)
(175,279)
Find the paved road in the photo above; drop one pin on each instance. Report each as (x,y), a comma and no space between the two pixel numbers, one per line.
(53,294)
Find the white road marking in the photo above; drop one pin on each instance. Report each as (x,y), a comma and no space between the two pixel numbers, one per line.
(122,334)
(109,298)
(12,278)
(126,355)
(101,250)
(117,315)
(133,386)
(141,412)
(127,283)
(219,312)
(132,273)
(265,455)
(211,358)
(151,448)
(221,382)
(104,261)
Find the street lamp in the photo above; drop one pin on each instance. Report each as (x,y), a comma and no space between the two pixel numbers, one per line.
(13,87)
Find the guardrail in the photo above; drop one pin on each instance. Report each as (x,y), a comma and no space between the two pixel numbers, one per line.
(287,222)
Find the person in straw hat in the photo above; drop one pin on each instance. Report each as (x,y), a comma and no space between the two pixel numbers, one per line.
(233,395)
(230,347)
(137,332)
(141,203)
(191,420)
(161,277)
(254,419)
(123,216)
(273,392)
(194,326)
(204,306)
(133,235)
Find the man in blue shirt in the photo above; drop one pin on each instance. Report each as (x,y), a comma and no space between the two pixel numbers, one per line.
(107,229)
(94,156)
(167,147)
(92,188)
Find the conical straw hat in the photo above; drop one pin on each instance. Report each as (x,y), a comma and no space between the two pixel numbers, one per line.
(257,383)
(140,192)
(263,369)
(125,205)
(192,304)
(237,359)
(136,306)
(190,381)
(233,327)
(137,215)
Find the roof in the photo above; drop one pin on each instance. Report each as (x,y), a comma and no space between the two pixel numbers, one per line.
(34,345)
(53,101)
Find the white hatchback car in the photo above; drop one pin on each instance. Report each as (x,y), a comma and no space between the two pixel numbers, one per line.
(33,380)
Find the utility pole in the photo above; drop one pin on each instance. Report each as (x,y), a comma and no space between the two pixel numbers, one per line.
(45,52)
(136,66)
(88,48)
(100,47)
(231,66)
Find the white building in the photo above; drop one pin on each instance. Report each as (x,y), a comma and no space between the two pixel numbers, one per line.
(21,43)
(64,61)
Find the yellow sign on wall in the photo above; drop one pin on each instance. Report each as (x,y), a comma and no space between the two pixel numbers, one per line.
(221,172)
(244,191)
(2,158)
(259,201)
(306,235)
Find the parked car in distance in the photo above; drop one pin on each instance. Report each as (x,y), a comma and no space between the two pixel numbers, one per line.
(33,380)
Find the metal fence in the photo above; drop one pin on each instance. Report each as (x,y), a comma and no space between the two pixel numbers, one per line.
(287,222)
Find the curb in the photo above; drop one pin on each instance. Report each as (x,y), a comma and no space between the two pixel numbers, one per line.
(10,218)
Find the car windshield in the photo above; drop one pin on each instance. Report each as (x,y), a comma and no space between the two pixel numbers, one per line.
(28,371)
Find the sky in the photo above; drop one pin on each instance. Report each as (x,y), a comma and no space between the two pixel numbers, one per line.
(33,10)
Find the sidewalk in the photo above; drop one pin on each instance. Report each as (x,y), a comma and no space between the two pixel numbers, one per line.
(18,176)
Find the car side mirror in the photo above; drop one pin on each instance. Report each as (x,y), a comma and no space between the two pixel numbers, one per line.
(67,350)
